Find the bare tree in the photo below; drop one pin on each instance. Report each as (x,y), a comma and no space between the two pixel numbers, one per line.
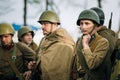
(6,7)
(25,12)
(99,3)
(49,5)
(26,8)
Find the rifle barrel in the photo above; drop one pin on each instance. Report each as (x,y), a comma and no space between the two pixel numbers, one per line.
(110,21)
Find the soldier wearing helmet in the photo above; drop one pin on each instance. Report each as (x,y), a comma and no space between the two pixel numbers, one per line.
(91,48)
(56,49)
(25,35)
(101,15)
(12,53)
(111,36)
(49,17)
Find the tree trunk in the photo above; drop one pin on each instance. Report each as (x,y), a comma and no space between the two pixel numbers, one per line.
(25,12)
(47,4)
(99,4)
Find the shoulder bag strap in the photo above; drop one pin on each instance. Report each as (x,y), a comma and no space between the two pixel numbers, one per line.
(14,53)
(12,64)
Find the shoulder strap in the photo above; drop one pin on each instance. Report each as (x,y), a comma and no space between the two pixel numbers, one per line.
(13,66)
(14,53)
(37,51)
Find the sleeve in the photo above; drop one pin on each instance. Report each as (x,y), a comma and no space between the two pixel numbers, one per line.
(95,58)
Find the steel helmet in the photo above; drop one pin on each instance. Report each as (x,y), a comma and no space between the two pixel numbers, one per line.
(100,13)
(6,28)
(23,30)
(49,16)
(88,14)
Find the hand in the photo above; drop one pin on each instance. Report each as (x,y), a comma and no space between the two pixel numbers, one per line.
(31,65)
(85,40)
(27,75)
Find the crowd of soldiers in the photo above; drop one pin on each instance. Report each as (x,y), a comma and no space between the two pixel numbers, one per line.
(95,55)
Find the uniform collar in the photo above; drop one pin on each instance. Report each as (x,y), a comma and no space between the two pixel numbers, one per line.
(92,38)
(8,47)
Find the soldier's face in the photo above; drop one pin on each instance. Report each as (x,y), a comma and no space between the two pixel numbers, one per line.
(47,27)
(27,38)
(6,39)
(86,26)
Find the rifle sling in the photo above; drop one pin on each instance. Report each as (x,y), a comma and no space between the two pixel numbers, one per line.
(12,64)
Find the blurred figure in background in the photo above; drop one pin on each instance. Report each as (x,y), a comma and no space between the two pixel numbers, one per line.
(111,36)
(25,35)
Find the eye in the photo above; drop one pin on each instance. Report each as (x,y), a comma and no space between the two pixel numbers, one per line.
(86,23)
(81,23)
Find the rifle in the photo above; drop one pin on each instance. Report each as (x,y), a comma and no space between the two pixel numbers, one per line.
(110,21)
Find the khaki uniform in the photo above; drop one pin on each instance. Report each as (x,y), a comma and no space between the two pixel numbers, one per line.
(23,54)
(112,38)
(55,56)
(91,64)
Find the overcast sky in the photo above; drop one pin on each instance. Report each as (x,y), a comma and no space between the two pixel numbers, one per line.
(68,14)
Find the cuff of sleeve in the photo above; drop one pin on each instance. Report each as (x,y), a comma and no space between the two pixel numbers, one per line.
(87,51)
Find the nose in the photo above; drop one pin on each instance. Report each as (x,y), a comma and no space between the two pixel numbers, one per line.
(42,26)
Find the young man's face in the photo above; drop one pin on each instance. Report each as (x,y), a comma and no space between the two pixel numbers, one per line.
(27,38)
(6,39)
(86,26)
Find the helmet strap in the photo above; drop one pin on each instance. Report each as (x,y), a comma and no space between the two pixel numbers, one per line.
(51,29)
(92,31)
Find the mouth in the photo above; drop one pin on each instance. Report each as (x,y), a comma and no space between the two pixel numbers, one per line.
(84,31)
(45,32)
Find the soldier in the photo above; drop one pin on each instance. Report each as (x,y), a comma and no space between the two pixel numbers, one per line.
(91,48)
(12,55)
(56,49)
(110,36)
(116,68)
(25,35)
